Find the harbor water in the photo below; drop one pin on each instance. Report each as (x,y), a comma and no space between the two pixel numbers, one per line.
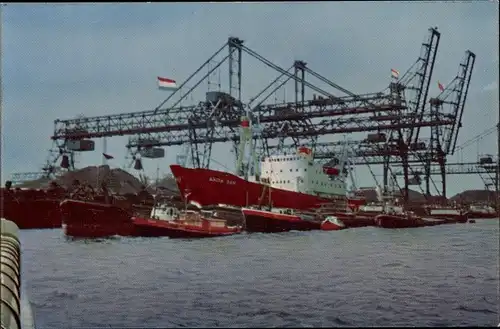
(434,276)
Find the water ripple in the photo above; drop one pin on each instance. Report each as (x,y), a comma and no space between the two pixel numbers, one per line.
(439,276)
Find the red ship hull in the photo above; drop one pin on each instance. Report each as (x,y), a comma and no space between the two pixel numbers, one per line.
(269,222)
(351,220)
(210,187)
(157,228)
(31,209)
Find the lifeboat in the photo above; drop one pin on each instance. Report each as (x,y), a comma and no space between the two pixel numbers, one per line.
(331,171)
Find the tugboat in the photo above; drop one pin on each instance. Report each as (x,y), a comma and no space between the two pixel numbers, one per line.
(188,224)
(277,220)
(396,217)
(284,220)
(344,214)
(86,219)
(407,220)
(398,221)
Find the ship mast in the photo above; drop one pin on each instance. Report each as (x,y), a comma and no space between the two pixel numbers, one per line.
(344,160)
(351,175)
(245,136)
(255,129)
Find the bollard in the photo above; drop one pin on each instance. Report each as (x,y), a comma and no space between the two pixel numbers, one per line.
(12,311)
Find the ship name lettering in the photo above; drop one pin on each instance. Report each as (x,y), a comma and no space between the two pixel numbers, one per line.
(221,181)
(215,179)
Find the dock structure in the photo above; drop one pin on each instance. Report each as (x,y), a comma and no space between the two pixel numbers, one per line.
(16,311)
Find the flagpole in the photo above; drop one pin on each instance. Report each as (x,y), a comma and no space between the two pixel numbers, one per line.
(104,150)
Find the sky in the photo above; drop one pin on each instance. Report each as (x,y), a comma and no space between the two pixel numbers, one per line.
(60,61)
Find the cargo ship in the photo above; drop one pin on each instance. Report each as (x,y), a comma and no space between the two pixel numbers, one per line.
(288,181)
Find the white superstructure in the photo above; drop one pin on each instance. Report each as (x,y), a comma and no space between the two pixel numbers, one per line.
(165,212)
(482,209)
(299,173)
(444,211)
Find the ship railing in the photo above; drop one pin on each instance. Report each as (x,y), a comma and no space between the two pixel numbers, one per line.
(16,310)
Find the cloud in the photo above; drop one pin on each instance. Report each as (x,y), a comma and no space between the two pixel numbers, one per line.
(62,60)
(491,86)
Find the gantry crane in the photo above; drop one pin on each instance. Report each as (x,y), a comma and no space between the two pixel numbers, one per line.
(398,140)
(486,166)
(217,118)
(450,103)
(214,120)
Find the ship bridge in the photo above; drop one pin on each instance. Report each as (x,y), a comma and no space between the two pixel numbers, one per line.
(299,173)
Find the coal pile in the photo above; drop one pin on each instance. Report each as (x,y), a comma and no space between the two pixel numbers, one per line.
(469,196)
(370,194)
(475,196)
(168,186)
(118,181)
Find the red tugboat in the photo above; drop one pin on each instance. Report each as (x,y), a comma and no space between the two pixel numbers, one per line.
(397,221)
(285,220)
(407,220)
(272,222)
(348,218)
(83,219)
(189,224)
(289,181)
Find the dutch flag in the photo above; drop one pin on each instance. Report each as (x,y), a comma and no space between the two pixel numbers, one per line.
(166,84)
(394,73)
